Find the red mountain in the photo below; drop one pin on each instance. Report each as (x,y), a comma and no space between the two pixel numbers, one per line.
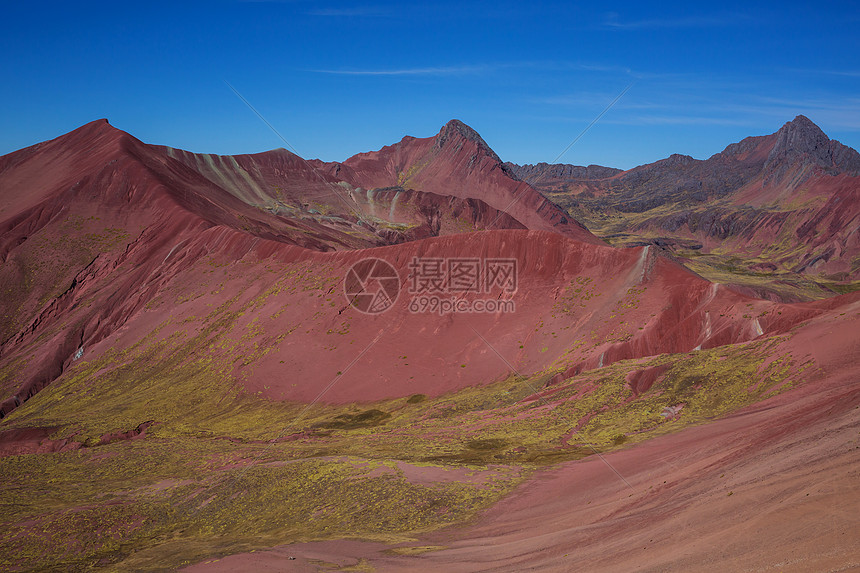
(457,162)
(183,323)
(140,219)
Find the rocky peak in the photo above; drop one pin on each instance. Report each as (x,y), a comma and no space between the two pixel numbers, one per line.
(801,143)
(800,136)
(457,131)
(676,159)
(540,171)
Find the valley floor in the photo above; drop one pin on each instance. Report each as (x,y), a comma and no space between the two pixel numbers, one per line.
(774,487)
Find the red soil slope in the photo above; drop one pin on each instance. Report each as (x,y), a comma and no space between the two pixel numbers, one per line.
(93,214)
(578,305)
(629,304)
(457,162)
(772,487)
(97,216)
(284,184)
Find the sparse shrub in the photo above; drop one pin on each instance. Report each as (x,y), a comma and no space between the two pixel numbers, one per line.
(489,444)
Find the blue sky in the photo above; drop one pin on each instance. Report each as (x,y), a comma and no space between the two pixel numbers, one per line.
(338,78)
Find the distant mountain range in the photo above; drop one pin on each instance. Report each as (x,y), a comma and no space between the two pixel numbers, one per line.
(785,202)
(789,157)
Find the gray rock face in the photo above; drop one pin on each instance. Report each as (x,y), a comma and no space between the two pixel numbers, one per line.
(676,159)
(456,130)
(801,144)
(546,171)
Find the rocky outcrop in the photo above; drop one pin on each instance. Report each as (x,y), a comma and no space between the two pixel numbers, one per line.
(541,172)
(800,145)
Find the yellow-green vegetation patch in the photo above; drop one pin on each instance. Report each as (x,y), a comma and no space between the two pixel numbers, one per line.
(85,508)
(414,549)
(737,260)
(841,288)
(9,377)
(222,471)
(501,423)
(697,387)
(730,269)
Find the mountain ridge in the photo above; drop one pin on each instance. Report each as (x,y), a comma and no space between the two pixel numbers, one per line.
(458,162)
(799,138)
(780,209)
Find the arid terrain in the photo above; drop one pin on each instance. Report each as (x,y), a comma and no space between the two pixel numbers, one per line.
(188,379)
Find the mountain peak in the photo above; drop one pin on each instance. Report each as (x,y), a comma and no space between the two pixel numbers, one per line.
(99,128)
(97,125)
(800,135)
(677,159)
(462,129)
(801,119)
(802,143)
(457,130)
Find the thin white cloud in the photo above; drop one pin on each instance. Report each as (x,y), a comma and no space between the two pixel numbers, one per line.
(612,21)
(594,67)
(596,99)
(825,72)
(716,101)
(830,104)
(349,12)
(849,73)
(831,115)
(483,68)
(678,120)
(428,71)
